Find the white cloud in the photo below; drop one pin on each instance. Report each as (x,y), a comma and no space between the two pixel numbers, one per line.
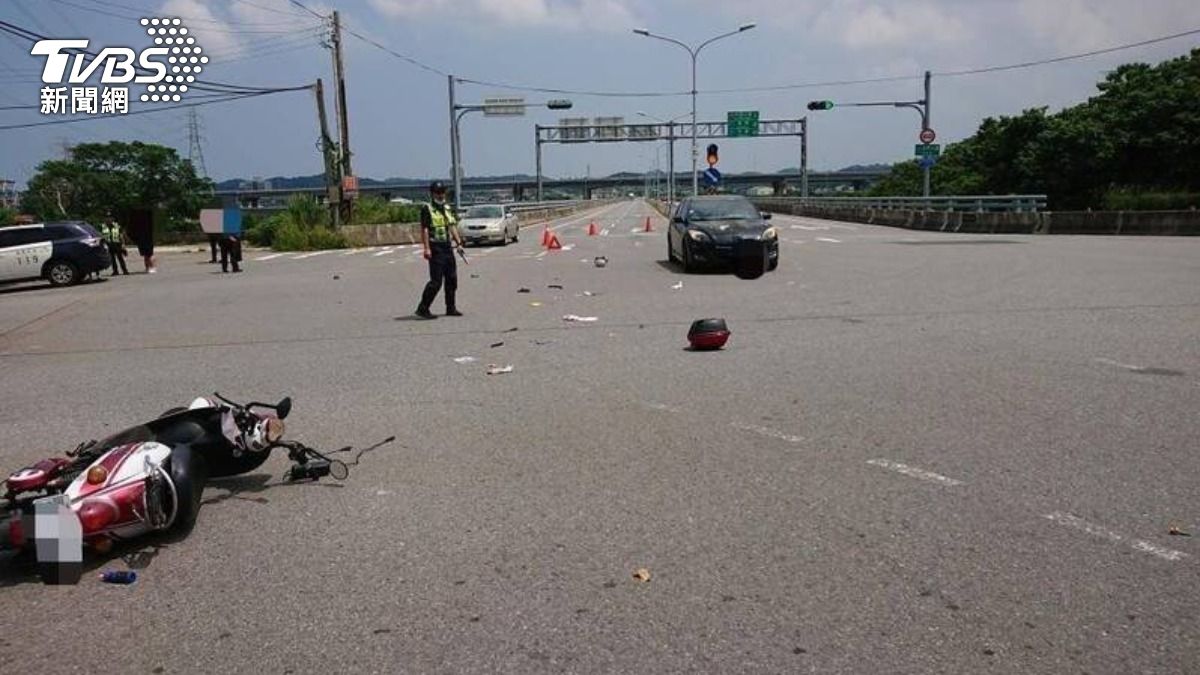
(227,28)
(859,24)
(565,14)
(1078,25)
(211,32)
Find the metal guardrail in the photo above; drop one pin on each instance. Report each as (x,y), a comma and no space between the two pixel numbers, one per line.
(964,203)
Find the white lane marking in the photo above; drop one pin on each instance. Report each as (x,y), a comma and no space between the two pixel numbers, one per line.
(662,407)
(1105,533)
(810,229)
(829,240)
(383,252)
(311,255)
(915,472)
(353,251)
(268,257)
(768,432)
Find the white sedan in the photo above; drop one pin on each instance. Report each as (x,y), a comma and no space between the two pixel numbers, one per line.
(492,223)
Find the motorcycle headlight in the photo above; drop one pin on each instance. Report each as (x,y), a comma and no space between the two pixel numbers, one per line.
(274,430)
(770,234)
(698,235)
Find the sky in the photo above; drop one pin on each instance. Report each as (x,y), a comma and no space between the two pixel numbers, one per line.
(399,122)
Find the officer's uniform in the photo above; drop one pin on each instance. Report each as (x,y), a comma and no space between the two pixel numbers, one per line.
(231,251)
(436,220)
(116,249)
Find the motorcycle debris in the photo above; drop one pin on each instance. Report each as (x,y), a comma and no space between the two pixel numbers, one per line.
(463,360)
(1178,532)
(123,577)
(642,575)
(474,276)
(337,277)
(677,287)
(580,319)
(541,343)
(590,294)
(600,261)
(493,369)
(524,290)
(512,330)
(535,304)
(557,286)
(497,344)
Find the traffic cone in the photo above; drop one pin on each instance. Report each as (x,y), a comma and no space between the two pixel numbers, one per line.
(554,244)
(545,236)
(592,231)
(649,227)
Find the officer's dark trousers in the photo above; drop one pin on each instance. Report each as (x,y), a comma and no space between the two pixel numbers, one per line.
(442,267)
(231,251)
(115,251)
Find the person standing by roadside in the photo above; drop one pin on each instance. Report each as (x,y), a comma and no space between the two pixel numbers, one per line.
(213,241)
(114,239)
(231,251)
(439,239)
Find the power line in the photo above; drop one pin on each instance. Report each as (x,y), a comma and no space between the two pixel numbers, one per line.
(130,17)
(403,57)
(1071,57)
(194,19)
(301,6)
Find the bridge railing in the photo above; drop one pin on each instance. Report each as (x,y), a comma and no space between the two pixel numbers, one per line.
(960,203)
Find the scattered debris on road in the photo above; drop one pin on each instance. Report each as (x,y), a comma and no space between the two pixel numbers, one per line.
(677,287)
(600,261)
(590,294)
(337,277)
(541,343)
(642,575)
(557,286)
(124,577)
(512,330)
(463,360)
(535,304)
(493,369)
(524,290)
(580,319)
(1178,532)
(497,344)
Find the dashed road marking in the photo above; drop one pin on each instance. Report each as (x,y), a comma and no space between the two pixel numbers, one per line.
(914,472)
(353,251)
(829,240)
(311,255)
(268,257)
(383,252)
(662,407)
(768,432)
(1105,533)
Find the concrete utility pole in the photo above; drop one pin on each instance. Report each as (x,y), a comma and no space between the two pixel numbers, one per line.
(339,74)
(925,125)
(333,188)
(455,157)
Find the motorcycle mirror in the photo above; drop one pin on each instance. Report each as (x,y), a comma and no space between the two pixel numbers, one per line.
(338,469)
(284,407)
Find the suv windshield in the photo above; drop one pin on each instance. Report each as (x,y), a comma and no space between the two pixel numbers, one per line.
(485,212)
(724,209)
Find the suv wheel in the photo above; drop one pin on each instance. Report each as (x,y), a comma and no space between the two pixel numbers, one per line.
(62,273)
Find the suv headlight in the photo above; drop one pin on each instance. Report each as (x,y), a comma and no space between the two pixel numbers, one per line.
(770,234)
(698,235)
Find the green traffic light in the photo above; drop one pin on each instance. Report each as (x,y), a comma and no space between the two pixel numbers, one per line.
(820,105)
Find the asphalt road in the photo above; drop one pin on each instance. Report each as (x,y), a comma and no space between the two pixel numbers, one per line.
(919,453)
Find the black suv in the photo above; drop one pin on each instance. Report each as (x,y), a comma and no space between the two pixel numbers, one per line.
(62,253)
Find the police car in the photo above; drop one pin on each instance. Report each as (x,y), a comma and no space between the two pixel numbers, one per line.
(62,253)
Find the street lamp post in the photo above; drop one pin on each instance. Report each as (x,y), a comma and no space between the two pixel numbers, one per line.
(694,52)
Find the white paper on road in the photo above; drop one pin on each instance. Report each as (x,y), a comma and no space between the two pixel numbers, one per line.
(499,370)
(580,319)
(677,287)
(465,359)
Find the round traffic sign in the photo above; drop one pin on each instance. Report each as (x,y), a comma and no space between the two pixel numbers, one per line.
(927,136)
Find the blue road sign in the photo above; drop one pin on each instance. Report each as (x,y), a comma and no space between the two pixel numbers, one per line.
(712,177)
(927,162)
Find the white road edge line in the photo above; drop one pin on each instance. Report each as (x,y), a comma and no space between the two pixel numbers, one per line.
(1105,533)
(828,240)
(768,432)
(268,257)
(383,252)
(914,472)
(311,255)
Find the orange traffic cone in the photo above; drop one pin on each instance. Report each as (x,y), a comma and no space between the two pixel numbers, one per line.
(554,244)
(649,227)
(592,231)
(545,236)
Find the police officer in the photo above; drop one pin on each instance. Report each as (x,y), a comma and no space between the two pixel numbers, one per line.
(231,251)
(114,239)
(439,239)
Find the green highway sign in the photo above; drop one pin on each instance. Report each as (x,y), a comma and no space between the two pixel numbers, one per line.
(744,123)
(928,150)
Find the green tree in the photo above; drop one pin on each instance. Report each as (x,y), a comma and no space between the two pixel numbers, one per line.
(116,177)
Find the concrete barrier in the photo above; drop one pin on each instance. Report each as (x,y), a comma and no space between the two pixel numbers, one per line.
(393,234)
(1160,223)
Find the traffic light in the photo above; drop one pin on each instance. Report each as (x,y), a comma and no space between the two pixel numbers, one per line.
(712,155)
(559,104)
(820,105)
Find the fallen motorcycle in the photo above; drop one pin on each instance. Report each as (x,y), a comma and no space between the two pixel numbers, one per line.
(148,478)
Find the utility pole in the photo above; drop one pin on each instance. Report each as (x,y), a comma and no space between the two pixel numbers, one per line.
(804,158)
(333,187)
(455,169)
(196,144)
(926,168)
(339,98)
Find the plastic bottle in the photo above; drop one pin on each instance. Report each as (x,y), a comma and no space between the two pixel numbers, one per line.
(119,577)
